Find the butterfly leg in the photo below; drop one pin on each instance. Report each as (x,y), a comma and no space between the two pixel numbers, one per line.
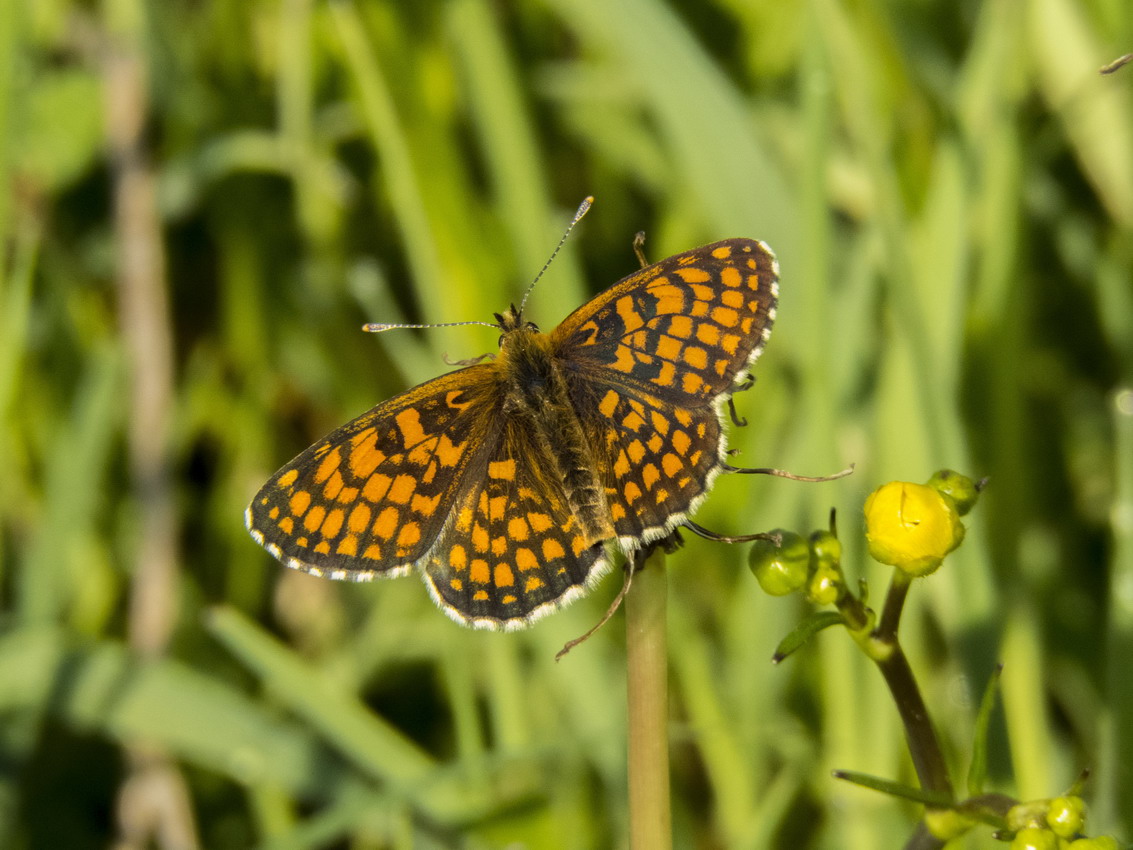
(639,247)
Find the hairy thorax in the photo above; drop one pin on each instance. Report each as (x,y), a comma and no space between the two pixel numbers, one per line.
(537,398)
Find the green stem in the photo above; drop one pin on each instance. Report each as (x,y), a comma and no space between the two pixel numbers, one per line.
(648,702)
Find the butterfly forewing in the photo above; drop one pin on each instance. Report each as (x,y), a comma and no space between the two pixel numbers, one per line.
(372,497)
(682,329)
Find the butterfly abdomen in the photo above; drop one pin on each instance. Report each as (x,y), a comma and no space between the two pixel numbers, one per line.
(537,399)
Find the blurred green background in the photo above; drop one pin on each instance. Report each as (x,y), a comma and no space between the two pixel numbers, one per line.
(204,201)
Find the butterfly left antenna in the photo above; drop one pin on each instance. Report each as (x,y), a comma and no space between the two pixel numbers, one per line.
(583,209)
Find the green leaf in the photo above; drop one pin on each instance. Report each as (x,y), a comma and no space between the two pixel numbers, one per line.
(977,773)
(805,630)
(933,799)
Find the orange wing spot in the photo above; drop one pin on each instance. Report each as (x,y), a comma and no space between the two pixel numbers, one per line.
(376,487)
(517,529)
(623,360)
(684,481)
(655,443)
(633,420)
(661,495)
(323,547)
(691,383)
(753,281)
(649,476)
(448,452)
(510,599)
(621,465)
(695,457)
(456,584)
(424,505)
(480,538)
(617,512)
(503,577)
(409,423)
(608,404)
(359,519)
(722,253)
(671,464)
(668,348)
(702,292)
(287,525)
(464,519)
(666,376)
(386,523)
(701,429)
(680,327)
(300,501)
(533,583)
(730,343)
(410,535)
(273,513)
(502,469)
(693,274)
(538,522)
(731,276)
(525,559)
(721,367)
(348,546)
(681,442)
(628,314)
(732,298)
(480,596)
(333,523)
(552,549)
(314,518)
(348,496)
(708,334)
(699,309)
(660,423)
(745,325)
(497,506)
(334,486)
(458,557)
(636,451)
(632,492)
(478,571)
(373,552)
(402,489)
(499,546)
(330,464)
(302,541)
(668,305)
(288,478)
(430,472)
(577,544)
(725,316)
(696,357)
(364,458)
(683,417)
(422,453)
(452,399)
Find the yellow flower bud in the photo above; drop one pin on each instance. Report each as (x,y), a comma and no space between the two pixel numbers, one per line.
(911,526)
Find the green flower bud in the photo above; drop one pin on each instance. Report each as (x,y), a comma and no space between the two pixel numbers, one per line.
(826,549)
(783,568)
(959,488)
(825,586)
(911,526)
(1066,816)
(1034,838)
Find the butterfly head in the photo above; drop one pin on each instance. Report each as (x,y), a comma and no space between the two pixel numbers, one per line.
(511,320)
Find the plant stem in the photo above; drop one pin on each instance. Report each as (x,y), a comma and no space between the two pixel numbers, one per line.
(924,747)
(648,702)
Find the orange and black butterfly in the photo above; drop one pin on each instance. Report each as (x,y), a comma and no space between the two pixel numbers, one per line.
(505,483)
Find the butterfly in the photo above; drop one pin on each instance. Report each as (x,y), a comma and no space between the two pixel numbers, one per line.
(508,483)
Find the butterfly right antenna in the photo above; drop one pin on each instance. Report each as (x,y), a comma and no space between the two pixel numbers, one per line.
(583,208)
